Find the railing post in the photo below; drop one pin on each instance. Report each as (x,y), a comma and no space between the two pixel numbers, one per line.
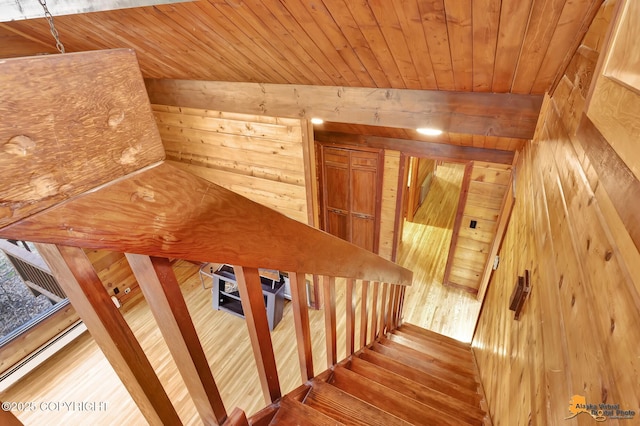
(87,295)
(250,289)
(350,320)
(383,307)
(162,292)
(329,291)
(390,314)
(364,314)
(396,305)
(301,321)
(374,312)
(403,289)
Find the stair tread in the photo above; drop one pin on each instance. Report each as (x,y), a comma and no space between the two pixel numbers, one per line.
(432,335)
(458,356)
(439,401)
(407,356)
(469,396)
(294,413)
(348,409)
(391,401)
(464,352)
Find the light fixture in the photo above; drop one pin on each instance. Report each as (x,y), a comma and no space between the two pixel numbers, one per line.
(316,120)
(429,131)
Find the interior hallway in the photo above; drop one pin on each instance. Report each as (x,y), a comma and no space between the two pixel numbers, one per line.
(424,250)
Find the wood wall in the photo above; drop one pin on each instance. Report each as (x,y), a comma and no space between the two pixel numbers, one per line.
(259,157)
(580,328)
(470,247)
(389,203)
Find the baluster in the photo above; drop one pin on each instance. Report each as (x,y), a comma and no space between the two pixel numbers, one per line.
(364,315)
(374,312)
(383,306)
(80,282)
(162,292)
(351,324)
(255,314)
(329,291)
(403,289)
(396,305)
(301,321)
(390,312)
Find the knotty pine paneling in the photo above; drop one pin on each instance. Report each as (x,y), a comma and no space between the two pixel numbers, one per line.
(258,157)
(579,329)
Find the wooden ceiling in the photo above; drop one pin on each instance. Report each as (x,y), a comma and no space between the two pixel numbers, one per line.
(503,46)
(518,46)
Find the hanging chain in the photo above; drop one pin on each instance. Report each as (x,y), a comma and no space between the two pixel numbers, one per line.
(52,27)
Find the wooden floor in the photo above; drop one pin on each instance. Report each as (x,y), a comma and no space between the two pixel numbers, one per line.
(424,250)
(80,373)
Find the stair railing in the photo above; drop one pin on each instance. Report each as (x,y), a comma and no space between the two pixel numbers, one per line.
(102,184)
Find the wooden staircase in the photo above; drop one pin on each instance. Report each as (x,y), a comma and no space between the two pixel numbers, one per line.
(408,376)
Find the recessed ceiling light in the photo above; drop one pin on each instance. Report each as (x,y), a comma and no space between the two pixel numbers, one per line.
(317,120)
(429,131)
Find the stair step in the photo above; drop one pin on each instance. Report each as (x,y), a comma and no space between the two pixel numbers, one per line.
(458,356)
(295,413)
(347,409)
(436,400)
(432,335)
(417,360)
(389,400)
(466,395)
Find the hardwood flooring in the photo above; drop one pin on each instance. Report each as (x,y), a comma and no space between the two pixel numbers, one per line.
(80,373)
(424,250)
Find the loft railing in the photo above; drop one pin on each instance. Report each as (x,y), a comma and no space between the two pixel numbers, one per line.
(90,174)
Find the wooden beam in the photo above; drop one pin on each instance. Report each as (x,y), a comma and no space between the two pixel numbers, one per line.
(162,292)
(490,114)
(250,289)
(329,293)
(616,177)
(76,276)
(51,126)
(297,283)
(13,10)
(437,151)
(166,212)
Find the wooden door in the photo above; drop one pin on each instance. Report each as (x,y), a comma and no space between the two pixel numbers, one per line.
(351,195)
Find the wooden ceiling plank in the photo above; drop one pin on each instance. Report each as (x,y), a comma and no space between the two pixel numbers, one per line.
(486,19)
(542,24)
(458,112)
(352,32)
(435,29)
(252,40)
(573,24)
(275,26)
(514,16)
(324,46)
(233,37)
(325,24)
(315,45)
(459,28)
(411,24)
(385,14)
(363,15)
(205,45)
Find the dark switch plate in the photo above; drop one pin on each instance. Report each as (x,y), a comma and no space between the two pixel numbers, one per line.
(473,224)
